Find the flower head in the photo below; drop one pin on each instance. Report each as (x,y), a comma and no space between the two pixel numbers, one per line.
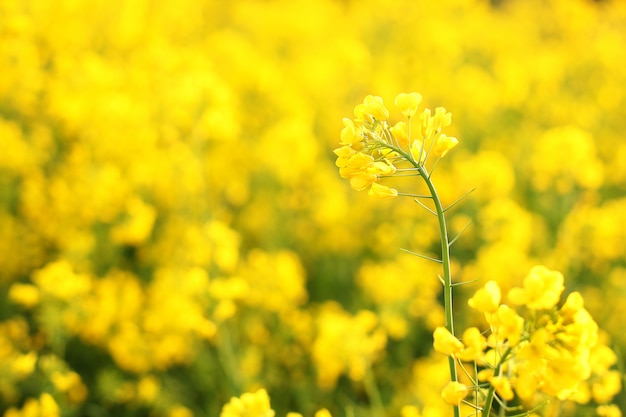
(445,342)
(486,299)
(542,289)
(454,392)
(250,404)
(443,144)
(408,103)
(371,109)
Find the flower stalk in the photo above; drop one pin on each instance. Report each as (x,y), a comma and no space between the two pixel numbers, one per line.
(372,150)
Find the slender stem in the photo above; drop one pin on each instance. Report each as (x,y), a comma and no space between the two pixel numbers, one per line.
(373,393)
(491,392)
(445,253)
(447,277)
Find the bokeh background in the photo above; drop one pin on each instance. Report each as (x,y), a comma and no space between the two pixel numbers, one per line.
(174,232)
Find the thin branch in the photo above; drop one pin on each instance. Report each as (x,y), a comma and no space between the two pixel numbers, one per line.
(426,207)
(460,233)
(459,199)
(433,167)
(421,256)
(415,195)
(456,284)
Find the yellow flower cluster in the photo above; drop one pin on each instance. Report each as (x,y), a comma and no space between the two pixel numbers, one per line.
(372,149)
(257,404)
(532,348)
(346,344)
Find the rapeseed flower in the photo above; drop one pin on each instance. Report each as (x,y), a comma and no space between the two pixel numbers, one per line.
(249,404)
(542,289)
(446,343)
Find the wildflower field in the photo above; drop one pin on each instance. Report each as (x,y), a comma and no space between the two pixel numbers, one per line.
(235,208)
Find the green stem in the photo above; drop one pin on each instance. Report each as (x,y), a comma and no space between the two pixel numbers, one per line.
(373,393)
(445,253)
(492,389)
(445,260)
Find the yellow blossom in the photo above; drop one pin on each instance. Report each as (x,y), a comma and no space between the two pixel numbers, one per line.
(408,103)
(401,133)
(441,119)
(474,345)
(24,365)
(323,413)
(27,295)
(486,299)
(506,324)
(503,387)
(382,191)
(250,404)
(343,155)
(609,411)
(443,144)
(410,411)
(542,289)
(179,411)
(49,407)
(362,180)
(348,133)
(454,392)
(417,151)
(445,342)
(607,386)
(372,108)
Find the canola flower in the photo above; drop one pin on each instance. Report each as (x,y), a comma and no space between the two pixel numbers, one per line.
(373,150)
(257,404)
(534,350)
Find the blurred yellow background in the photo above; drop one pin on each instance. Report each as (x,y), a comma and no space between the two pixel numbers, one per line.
(174,231)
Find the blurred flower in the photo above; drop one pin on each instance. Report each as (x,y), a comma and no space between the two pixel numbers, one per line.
(446,343)
(454,393)
(250,404)
(486,299)
(542,289)
(26,295)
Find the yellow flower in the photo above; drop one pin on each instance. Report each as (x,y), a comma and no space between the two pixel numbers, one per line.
(27,295)
(503,387)
(486,299)
(443,144)
(372,108)
(441,119)
(401,133)
(24,365)
(410,411)
(454,392)
(323,413)
(607,386)
(475,343)
(408,103)
(382,191)
(362,180)
(608,411)
(179,411)
(348,133)
(49,407)
(506,324)
(343,155)
(250,404)
(417,151)
(542,289)
(445,342)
